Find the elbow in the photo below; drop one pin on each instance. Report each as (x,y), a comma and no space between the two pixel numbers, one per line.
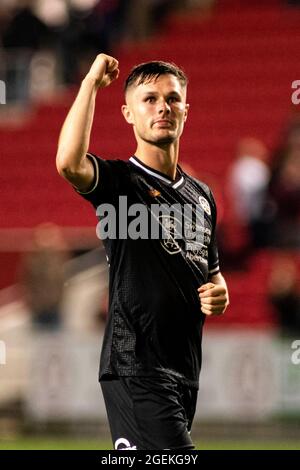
(65,167)
(62,163)
(61,168)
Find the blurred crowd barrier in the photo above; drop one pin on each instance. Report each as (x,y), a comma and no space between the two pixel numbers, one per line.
(247,376)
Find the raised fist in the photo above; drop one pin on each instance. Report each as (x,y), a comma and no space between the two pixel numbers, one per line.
(104,70)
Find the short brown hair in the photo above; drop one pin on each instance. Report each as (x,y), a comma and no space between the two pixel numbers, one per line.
(149,71)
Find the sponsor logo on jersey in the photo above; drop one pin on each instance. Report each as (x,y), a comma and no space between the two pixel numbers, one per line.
(154,192)
(205,205)
(171,227)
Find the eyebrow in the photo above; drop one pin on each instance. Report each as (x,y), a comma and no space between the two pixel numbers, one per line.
(172,93)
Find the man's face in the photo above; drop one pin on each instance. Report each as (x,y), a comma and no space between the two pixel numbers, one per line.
(157,110)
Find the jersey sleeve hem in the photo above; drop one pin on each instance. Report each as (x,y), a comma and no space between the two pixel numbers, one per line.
(96,180)
(213,271)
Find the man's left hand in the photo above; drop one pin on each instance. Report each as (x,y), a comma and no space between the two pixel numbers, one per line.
(213,298)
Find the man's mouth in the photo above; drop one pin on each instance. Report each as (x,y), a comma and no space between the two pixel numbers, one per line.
(163,123)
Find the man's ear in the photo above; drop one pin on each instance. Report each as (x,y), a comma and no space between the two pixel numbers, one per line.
(187,107)
(127,113)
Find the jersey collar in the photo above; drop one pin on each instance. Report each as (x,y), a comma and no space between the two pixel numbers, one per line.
(179,181)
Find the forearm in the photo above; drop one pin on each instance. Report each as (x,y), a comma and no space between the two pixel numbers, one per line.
(218,279)
(75,134)
(74,140)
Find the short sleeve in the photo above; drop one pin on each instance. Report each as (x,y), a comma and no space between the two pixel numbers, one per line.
(213,255)
(107,183)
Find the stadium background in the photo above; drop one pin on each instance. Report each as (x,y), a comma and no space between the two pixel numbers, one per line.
(241,59)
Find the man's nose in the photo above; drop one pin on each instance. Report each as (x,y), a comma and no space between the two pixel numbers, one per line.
(164,107)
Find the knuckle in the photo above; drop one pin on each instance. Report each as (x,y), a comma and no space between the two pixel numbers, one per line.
(209,307)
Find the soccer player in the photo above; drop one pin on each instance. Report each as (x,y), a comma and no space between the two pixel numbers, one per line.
(161,288)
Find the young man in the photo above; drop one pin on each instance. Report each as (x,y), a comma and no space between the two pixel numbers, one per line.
(161,288)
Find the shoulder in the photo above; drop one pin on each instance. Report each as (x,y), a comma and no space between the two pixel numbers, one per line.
(204,196)
(201,186)
(110,179)
(115,164)
(108,170)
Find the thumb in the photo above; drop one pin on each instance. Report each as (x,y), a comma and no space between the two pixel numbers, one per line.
(207,286)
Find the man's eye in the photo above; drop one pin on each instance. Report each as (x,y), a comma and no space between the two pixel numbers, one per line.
(150,99)
(173,99)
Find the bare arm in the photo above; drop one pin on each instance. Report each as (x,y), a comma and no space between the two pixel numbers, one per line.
(214,297)
(71,161)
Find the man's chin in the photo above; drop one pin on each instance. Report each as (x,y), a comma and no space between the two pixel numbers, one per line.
(164,139)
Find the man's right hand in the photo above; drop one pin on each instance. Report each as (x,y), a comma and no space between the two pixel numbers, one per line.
(104,70)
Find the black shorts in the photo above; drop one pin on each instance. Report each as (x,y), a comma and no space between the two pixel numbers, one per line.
(147,413)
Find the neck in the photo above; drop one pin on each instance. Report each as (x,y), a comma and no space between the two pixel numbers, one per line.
(163,158)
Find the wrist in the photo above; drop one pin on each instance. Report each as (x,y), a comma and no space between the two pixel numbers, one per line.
(90,81)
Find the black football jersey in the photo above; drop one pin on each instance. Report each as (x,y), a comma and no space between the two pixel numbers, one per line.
(155,322)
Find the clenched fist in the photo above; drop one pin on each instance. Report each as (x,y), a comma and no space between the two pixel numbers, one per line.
(104,70)
(213,298)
